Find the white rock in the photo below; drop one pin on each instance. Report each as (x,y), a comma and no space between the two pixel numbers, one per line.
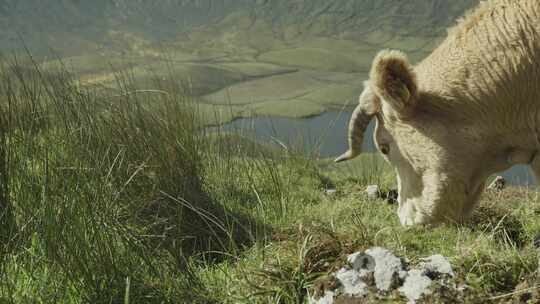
(416,284)
(387,267)
(403,274)
(352,282)
(436,264)
(372,191)
(330,191)
(361,262)
(328,298)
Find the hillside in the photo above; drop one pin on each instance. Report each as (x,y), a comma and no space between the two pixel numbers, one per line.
(71,26)
(232,52)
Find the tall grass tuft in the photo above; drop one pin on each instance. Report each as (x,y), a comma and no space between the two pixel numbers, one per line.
(117,195)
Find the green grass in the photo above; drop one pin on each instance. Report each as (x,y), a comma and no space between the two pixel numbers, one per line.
(213,115)
(256,69)
(99,190)
(335,95)
(492,254)
(96,64)
(111,198)
(294,108)
(290,86)
(300,94)
(311,58)
(196,78)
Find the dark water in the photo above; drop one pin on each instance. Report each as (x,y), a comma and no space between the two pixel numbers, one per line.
(326,136)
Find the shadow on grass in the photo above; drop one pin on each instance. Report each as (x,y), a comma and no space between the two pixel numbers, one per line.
(113,188)
(498,215)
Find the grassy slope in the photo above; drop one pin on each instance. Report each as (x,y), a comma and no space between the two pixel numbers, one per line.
(312,58)
(492,253)
(129,201)
(96,188)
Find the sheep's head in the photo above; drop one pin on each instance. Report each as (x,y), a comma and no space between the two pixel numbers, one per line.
(436,181)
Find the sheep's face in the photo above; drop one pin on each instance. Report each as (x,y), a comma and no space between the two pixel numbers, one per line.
(433,185)
(435,179)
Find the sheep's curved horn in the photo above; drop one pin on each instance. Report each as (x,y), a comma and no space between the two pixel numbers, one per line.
(360,119)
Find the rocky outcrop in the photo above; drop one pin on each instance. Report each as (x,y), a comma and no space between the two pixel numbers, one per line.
(377,272)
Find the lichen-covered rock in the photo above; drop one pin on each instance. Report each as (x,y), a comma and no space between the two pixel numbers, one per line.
(416,285)
(352,283)
(328,298)
(377,274)
(387,268)
(436,265)
(361,262)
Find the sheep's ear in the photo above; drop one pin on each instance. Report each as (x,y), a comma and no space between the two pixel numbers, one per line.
(394,81)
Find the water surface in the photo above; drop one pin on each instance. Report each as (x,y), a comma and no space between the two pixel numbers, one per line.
(326,136)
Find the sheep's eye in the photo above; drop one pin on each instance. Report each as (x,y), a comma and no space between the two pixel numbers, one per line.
(385,149)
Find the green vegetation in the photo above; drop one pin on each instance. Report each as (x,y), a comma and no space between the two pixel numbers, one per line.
(313,58)
(112,190)
(106,197)
(291,108)
(310,55)
(111,197)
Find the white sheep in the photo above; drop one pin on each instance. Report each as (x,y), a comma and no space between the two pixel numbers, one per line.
(470,109)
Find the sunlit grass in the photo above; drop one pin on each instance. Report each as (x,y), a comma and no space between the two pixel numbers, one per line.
(123,196)
(118,193)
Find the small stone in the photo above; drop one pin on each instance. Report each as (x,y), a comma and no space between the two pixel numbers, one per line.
(416,284)
(436,264)
(373,191)
(361,261)
(330,191)
(352,282)
(402,274)
(387,268)
(328,298)
(498,184)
